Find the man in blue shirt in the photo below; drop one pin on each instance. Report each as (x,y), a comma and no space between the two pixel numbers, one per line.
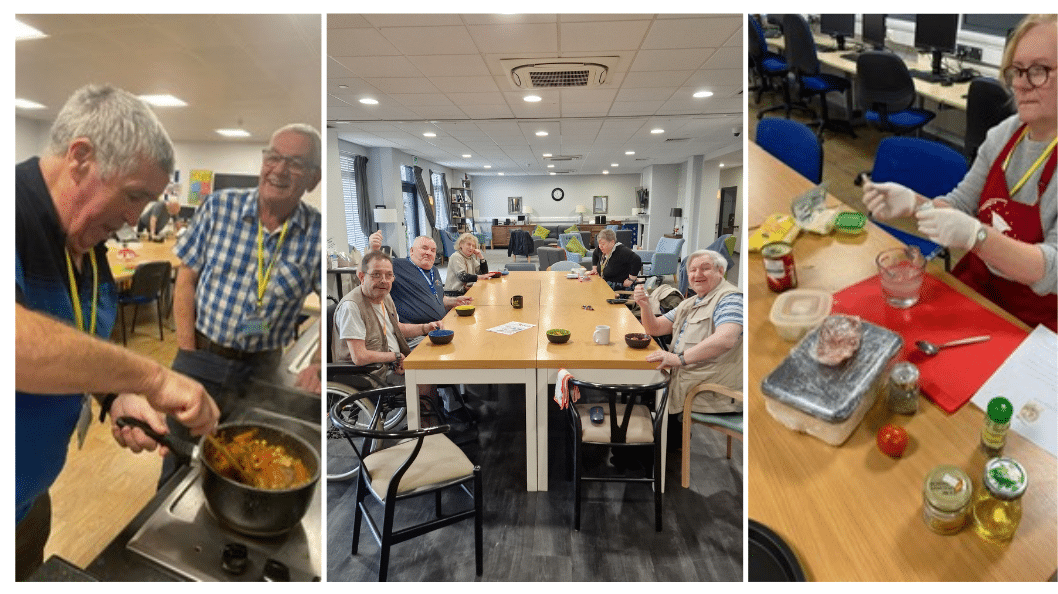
(108,157)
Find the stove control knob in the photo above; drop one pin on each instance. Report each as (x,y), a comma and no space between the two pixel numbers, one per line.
(235,558)
(274,571)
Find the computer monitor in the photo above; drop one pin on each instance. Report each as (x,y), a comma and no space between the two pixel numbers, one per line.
(936,33)
(838,26)
(874,30)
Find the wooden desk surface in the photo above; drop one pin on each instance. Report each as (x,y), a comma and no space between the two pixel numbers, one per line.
(951,95)
(149,251)
(850,512)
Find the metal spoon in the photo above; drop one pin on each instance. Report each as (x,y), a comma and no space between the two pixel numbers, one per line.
(932,349)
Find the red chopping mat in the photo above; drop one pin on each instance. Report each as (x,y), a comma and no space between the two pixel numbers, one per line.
(942,314)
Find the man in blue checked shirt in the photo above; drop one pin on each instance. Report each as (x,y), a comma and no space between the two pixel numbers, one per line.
(249,259)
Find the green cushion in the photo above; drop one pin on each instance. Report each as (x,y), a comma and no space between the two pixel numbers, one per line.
(541,232)
(732,421)
(572,229)
(574,245)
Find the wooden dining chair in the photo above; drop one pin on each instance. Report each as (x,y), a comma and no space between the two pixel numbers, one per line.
(730,424)
(396,466)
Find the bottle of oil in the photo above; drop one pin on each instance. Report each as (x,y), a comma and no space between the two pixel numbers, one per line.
(997,421)
(997,505)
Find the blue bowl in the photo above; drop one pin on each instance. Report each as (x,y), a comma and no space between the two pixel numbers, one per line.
(506,272)
(442,336)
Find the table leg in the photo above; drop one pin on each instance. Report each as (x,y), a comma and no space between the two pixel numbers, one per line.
(533,437)
(411,393)
(540,404)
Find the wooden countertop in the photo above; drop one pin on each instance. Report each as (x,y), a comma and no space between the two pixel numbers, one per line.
(850,512)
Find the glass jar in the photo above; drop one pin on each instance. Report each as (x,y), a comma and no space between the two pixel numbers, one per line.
(997,421)
(946,498)
(903,388)
(997,505)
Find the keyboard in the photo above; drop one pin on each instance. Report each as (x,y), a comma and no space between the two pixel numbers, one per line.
(927,75)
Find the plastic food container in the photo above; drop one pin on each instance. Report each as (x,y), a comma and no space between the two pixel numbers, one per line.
(829,401)
(797,311)
(851,223)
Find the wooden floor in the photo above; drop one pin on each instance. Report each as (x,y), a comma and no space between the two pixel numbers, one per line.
(529,536)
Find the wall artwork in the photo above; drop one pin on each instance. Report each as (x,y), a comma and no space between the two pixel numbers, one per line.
(514,205)
(599,204)
(200,186)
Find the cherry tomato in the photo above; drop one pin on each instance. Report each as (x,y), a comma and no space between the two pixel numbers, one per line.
(892,440)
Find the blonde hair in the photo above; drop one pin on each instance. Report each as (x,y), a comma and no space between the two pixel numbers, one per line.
(1023,27)
(465,238)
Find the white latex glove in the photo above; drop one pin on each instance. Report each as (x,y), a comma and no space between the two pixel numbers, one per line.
(888,200)
(948,227)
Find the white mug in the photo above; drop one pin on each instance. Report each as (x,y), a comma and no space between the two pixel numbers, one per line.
(602,335)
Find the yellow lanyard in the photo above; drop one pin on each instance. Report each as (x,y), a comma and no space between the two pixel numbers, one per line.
(262,274)
(1035,166)
(75,297)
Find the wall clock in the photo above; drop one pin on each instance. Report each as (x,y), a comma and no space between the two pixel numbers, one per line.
(557,194)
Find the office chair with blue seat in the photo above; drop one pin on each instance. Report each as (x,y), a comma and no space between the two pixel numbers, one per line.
(927,167)
(987,104)
(804,63)
(886,92)
(770,68)
(794,144)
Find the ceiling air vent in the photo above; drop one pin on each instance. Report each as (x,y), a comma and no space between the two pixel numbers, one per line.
(558,158)
(559,73)
(677,139)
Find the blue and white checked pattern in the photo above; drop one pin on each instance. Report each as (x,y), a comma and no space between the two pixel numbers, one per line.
(729,310)
(221,246)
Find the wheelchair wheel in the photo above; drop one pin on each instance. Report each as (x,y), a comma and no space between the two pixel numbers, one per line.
(342,463)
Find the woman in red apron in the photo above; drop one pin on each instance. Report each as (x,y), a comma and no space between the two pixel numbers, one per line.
(1005,218)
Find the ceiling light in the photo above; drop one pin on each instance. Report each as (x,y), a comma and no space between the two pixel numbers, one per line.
(630,152)
(466,156)
(541,133)
(547,154)
(24,31)
(429,134)
(613,164)
(232,132)
(27,104)
(343,86)
(550,166)
(501,173)
(488,167)
(163,101)
(605,172)
(721,164)
(369,101)
(531,98)
(657,131)
(552,173)
(701,94)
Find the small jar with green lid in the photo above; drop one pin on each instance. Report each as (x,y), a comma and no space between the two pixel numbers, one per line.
(997,421)
(946,498)
(997,505)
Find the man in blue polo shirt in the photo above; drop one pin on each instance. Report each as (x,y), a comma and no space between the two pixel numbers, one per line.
(108,156)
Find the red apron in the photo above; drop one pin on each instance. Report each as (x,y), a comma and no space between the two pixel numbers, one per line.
(1024,223)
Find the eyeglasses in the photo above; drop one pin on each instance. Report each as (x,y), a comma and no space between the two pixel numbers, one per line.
(296,165)
(1036,75)
(377,276)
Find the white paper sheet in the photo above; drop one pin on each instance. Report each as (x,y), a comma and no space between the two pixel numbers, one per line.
(1029,380)
(511,328)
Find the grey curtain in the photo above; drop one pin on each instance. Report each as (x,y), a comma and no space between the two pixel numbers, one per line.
(420,189)
(445,199)
(363,205)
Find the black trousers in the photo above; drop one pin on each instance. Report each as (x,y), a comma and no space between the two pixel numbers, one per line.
(31,534)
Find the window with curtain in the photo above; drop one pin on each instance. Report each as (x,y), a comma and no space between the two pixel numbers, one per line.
(440,200)
(355,235)
(415,219)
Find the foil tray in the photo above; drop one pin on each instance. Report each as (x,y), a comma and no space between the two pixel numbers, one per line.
(831,393)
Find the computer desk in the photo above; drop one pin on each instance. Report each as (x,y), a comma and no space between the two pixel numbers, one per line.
(953,95)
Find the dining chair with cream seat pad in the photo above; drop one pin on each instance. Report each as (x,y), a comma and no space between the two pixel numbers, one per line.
(404,464)
(633,415)
(730,424)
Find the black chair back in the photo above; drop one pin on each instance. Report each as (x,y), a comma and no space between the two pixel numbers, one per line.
(800,45)
(612,395)
(150,279)
(757,46)
(987,104)
(883,83)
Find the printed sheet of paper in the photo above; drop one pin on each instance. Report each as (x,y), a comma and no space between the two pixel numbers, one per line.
(511,328)
(1029,380)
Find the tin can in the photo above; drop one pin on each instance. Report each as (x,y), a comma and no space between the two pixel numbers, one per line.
(779,266)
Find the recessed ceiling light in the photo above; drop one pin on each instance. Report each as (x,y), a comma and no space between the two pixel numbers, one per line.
(613,165)
(550,166)
(466,156)
(501,173)
(721,164)
(547,154)
(163,101)
(551,173)
(429,134)
(630,152)
(657,131)
(24,31)
(701,94)
(541,133)
(531,98)
(232,132)
(27,104)
(343,86)
(488,167)
(369,101)
(605,172)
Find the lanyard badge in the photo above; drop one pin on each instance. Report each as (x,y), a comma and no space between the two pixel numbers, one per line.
(255,324)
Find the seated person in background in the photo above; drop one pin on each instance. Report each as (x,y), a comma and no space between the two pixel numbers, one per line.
(1005,211)
(156,216)
(465,266)
(418,290)
(617,264)
(707,336)
(367,325)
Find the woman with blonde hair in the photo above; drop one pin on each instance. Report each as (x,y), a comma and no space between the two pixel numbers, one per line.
(466,266)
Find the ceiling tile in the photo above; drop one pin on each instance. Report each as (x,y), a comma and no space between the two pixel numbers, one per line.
(516,38)
(685,59)
(589,36)
(691,32)
(468,65)
(379,66)
(358,42)
(430,41)
(464,84)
